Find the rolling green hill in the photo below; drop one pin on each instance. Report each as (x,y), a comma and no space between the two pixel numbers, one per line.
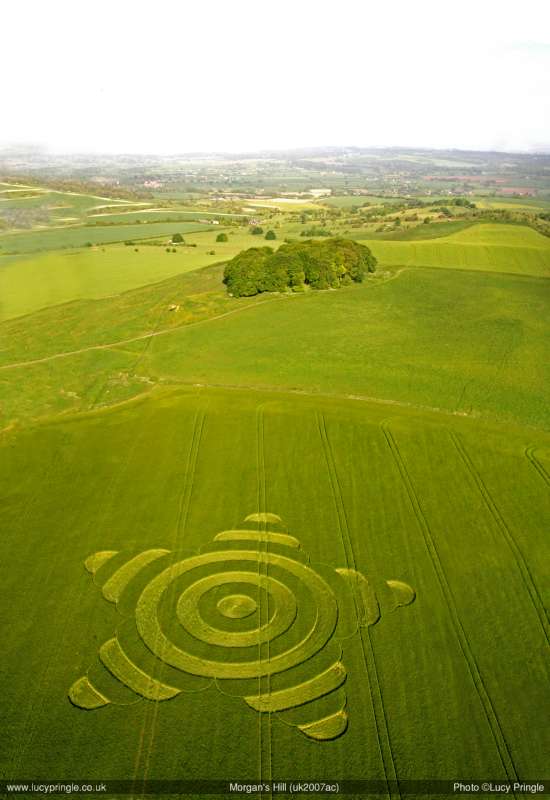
(502,236)
(463,342)
(495,248)
(30,283)
(383,612)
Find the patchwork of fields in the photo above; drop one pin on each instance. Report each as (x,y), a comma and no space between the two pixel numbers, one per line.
(31,282)
(300,534)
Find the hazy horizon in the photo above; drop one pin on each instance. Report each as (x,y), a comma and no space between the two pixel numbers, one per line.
(41,149)
(227,79)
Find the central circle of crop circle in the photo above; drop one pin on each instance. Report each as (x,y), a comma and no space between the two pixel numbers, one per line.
(189,614)
(237,606)
(305,639)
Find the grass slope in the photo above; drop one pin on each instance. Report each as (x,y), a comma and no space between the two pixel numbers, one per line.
(499,248)
(464,342)
(434,230)
(361,487)
(30,283)
(39,281)
(49,280)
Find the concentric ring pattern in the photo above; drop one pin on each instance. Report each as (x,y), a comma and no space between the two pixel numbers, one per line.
(251,611)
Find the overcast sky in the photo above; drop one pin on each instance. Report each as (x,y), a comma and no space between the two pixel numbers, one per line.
(174,77)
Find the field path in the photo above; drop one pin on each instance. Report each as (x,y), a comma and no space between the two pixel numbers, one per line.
(139,338)
(163,332)
(477,679)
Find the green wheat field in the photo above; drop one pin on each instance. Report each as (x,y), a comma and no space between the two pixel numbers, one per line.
(283,535)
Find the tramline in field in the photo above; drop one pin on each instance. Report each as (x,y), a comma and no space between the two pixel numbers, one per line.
(364,495)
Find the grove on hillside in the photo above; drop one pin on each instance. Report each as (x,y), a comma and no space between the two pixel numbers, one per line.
(320,265)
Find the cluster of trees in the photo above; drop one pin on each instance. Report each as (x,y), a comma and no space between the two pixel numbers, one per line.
(316,231)
(320,265)
(257,230)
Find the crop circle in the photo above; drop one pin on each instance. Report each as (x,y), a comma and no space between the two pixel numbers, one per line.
(311,625)
(237,606)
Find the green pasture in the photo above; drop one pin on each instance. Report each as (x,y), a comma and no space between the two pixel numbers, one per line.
(462,342)
(145,215)
(432,230)
(70,237)
(17,200)
(180,300)
(514,203)
(346,201)
(439,650)
(494,248)
(502,236)
(28,284)
(142,216)
(465,342)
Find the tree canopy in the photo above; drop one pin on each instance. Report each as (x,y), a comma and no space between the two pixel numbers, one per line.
(319,265)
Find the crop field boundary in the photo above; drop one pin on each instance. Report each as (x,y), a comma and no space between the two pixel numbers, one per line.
(477,679)
(502,526)
(496,273)
(173,385)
